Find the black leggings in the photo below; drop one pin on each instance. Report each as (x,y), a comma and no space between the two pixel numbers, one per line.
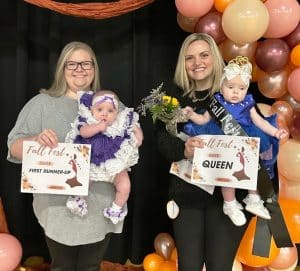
(77,258)
(206,236)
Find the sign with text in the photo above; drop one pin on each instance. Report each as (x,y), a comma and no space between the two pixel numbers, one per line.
(230,161)
(61,170)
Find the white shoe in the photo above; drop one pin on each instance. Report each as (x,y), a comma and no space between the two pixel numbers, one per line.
(234,213)
(256,207)
(115,215)
(172,209)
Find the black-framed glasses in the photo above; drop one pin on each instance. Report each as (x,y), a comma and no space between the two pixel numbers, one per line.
(85,65)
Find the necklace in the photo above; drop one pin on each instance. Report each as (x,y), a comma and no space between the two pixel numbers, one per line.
(200,99)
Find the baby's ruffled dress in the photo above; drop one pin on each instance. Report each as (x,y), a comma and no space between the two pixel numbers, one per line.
(111,151)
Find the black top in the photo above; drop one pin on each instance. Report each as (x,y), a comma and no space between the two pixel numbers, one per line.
(172,149)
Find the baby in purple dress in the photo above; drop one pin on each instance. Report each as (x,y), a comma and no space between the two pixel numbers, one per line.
(114,134)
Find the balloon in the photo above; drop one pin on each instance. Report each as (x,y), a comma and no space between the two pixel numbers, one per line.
(152,262)
(10,252)
(164,244)
(291,268)
(272,55)
(286,258)
(174,255)
(289,190)
(244,253)
(211,24)
(291,213)
(193,8)
(289,160)
(293,38)
(295,55)
(284,17)
(220,5)
(293,85)
(231,49)
(251,268)
(168,266)
(287,97)
(245,21)
(187,24)
(283,110)
(273,85)
(295,125)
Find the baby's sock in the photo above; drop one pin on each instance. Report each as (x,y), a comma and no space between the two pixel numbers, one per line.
(116,206)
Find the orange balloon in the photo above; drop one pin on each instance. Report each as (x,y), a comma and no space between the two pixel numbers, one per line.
(174,255)
(286,258)
(168,266)
(244,253)
(283,109)
(295,55)
(291,212)
(152,262)
(220,5)
(273,85)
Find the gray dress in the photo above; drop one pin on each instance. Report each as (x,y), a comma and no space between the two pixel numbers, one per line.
(57,113)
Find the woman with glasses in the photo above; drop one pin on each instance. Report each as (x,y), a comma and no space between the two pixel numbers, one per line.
(74,242)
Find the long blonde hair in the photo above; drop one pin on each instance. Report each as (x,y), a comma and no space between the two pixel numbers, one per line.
(59,85)
(181,78)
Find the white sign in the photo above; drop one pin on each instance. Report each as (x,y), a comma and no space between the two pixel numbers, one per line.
(230,161)
(61,170)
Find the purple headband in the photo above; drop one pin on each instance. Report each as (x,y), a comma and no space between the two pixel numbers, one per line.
(105,98)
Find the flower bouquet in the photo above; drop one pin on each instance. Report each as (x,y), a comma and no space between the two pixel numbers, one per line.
(164,108)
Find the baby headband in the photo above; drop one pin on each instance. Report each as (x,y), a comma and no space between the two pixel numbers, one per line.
(106,98)
(238,66)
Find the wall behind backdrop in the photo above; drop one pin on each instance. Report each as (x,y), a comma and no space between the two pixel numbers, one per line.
(136,52)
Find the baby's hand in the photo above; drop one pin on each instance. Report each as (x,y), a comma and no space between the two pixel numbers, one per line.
(188,111)
(281,133)
(102,126)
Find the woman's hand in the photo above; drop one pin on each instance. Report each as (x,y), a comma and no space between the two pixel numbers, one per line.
(190,145)
(47,138)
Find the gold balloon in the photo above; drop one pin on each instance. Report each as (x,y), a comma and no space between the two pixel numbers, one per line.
(245,21)
(273,85)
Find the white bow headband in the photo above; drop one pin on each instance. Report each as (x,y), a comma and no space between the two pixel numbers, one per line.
(237,67)
(106,98)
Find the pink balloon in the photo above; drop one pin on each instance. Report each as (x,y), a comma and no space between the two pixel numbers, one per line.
(293,38)
(194,8)
(272,55)
(211,24)
(284,16)
(286,259)
(293,84)
(10,252)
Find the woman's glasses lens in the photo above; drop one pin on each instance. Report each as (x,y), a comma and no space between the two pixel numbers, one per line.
(85,65)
